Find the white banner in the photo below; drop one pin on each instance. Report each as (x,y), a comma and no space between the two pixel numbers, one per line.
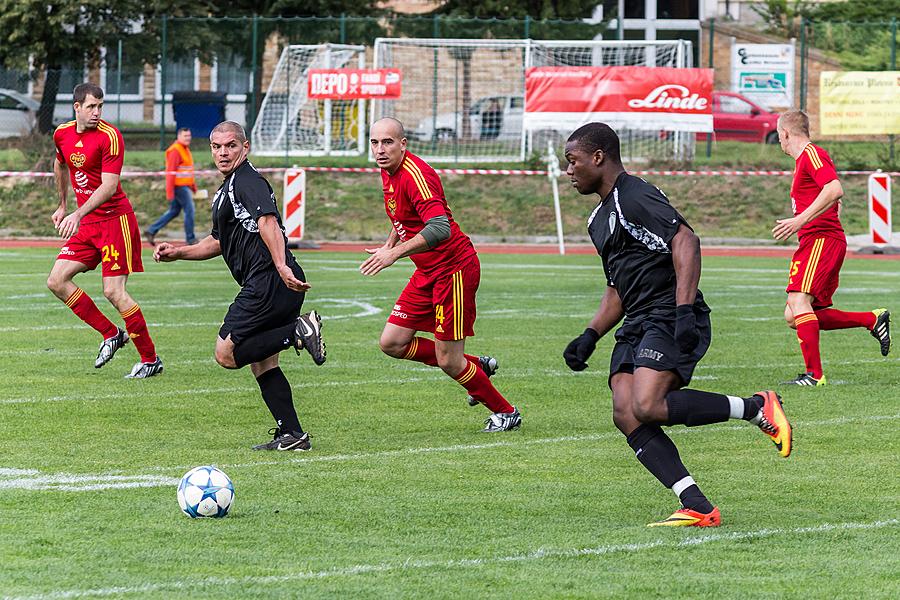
(764,73)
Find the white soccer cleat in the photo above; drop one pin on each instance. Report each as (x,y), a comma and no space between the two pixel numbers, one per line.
(109,347)
(503,421)
(143,370)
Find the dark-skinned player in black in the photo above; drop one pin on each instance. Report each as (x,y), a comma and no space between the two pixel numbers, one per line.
(651,260)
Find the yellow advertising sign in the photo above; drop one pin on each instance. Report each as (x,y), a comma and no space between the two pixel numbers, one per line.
(859,102)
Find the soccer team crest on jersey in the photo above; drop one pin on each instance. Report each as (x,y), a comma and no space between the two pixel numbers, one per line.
(78,159)
(392,206)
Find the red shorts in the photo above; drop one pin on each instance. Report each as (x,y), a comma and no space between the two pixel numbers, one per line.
(114,243)
(816,268)
(442,304)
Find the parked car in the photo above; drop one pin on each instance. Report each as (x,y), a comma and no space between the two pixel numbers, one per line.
(736,118)
(18,113)
(491,117)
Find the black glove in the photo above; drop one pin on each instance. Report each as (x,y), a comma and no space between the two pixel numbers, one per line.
(580,349)
(686,335)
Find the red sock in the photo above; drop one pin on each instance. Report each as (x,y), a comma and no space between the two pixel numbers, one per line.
(422,350)
(82,305)
(830,318)
(808,334)
(479,386)
(137,331)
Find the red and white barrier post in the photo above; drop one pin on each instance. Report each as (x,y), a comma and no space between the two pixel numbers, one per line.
(294,200)
(880,208)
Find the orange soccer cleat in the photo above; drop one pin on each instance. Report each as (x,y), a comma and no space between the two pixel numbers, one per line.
(774,423)
(685,517)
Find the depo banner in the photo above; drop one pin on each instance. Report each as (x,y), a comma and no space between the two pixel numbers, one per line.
(859,102)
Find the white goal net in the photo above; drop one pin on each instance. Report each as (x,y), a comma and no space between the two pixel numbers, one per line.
(464,99)
(637,144)
(292,124)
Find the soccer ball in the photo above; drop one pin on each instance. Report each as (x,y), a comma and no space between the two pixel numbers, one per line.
(205,492)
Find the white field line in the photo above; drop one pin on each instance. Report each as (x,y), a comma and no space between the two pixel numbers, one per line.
(538,554)
(34,480)
(507,373)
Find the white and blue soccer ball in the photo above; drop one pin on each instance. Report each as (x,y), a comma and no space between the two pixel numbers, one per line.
(205,492)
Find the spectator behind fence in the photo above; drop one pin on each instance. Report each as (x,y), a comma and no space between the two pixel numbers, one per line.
(180,187)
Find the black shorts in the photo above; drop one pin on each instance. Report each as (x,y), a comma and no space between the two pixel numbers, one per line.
(263,303)
(650,342)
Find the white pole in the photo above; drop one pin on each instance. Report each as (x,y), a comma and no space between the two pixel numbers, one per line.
(327,111)
(553,173)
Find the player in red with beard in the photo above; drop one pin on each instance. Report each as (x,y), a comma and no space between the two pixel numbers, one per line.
(440,295)
(102,230)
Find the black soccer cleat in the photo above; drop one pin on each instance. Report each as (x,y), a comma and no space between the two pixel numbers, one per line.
(308,331)
(283,441)
(806,380)
(490,366)
(109,347)
(882,329)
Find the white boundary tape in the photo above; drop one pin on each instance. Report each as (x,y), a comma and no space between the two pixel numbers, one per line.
(539,172)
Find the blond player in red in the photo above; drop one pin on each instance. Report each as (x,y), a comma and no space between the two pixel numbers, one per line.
(102,230)
(440,295)
(816,265)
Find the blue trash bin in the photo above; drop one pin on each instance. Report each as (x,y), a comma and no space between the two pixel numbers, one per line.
(198,111)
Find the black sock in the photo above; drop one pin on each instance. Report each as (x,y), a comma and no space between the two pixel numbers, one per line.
(263,345)
(276,392)
(693,407)
(658,454)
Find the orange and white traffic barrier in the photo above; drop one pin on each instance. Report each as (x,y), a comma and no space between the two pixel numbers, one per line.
(880,208)
(294,200)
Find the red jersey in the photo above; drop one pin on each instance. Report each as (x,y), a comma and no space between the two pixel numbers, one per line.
(813,170)
(88,154)
(412,196)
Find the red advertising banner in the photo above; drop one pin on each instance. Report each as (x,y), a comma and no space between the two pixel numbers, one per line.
(654,98)
(353,84)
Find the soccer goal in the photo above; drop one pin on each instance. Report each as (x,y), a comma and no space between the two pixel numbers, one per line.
(292,124)
(464,99)
(637,143)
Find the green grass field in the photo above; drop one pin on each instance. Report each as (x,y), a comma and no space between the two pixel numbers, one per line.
(401,495)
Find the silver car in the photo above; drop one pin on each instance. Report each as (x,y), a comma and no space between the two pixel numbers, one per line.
(18,113)
(492,117)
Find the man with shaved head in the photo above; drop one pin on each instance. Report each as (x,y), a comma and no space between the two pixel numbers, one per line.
(816,265)
(651,260)
(264,318)
(440,295)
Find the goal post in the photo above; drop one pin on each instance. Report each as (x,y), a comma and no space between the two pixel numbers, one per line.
(462,98)
(292,124)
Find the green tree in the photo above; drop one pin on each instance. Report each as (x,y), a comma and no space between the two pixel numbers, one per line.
(45,36)
(536,9)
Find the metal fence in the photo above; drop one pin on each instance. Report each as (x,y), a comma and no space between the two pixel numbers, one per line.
(237,56)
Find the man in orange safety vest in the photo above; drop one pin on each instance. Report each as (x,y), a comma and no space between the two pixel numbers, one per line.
(180,187)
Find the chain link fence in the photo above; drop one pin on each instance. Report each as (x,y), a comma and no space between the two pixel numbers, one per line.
(238,56)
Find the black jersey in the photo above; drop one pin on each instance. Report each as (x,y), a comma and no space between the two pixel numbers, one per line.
(632,229)
(240,201)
